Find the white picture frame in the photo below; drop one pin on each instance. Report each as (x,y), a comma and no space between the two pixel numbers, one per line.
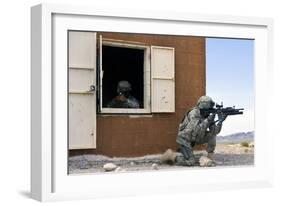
(49,178)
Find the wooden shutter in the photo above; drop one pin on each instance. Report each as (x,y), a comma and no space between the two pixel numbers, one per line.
(162,79)
(82,97)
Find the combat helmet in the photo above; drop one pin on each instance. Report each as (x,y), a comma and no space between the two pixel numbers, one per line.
(205,102)
(123,87)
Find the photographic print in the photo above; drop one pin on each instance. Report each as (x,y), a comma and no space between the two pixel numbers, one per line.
(131,103)
(147,102)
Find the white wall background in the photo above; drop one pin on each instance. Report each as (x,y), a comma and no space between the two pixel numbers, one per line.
(15,100)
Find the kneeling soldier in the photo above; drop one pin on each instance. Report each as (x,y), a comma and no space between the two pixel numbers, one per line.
(196,128)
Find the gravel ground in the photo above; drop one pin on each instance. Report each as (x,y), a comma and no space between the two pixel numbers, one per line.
(225,155)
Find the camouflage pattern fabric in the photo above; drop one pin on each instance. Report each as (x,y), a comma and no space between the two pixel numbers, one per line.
(121,101)
(196,129)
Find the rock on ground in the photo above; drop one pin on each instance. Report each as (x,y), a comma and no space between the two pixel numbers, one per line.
(205,162)
(154,166)
(109,167)
(118,169)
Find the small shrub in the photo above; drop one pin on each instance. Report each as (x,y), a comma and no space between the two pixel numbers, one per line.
(244,144)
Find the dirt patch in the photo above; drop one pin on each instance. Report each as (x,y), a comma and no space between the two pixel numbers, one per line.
(225,155)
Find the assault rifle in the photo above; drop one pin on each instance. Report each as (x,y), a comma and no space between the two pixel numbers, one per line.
(219,109)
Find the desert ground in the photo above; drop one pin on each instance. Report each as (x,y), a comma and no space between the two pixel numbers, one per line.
(226,155)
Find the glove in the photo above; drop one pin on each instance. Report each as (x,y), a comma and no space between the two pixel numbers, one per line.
(221,117)
(211,117)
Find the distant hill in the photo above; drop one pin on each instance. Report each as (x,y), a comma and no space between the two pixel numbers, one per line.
(237,137)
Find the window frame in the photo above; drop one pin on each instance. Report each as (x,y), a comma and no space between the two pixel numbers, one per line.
(146,72)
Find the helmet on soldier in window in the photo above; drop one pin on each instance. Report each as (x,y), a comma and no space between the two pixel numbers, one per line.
(124,87)
(205,102)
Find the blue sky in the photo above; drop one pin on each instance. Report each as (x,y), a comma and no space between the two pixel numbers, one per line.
(230,79)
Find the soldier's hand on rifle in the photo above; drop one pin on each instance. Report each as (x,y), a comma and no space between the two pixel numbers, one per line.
(221,117)
(211,117)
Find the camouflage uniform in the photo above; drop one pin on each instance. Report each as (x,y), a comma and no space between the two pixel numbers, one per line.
(197,129)
(124,99)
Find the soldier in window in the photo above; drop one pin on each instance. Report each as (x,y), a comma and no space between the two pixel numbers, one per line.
(124,99)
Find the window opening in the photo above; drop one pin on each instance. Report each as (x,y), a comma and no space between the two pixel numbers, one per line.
(123,77)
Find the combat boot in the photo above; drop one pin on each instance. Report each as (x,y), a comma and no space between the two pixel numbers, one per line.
(211,157)
(169,157)
(181,161)
(190,162)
